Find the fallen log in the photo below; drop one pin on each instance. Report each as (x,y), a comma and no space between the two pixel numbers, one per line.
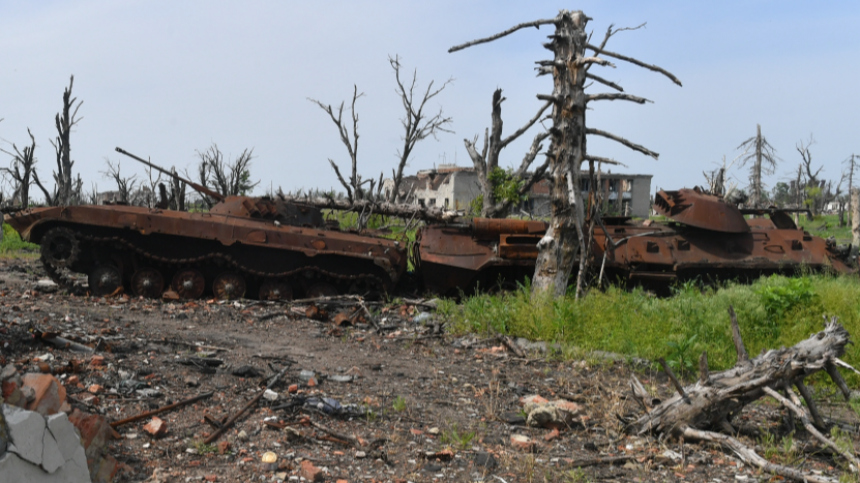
(702,410)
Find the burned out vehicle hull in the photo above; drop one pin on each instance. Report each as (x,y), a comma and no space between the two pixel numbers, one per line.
(704,238)
(242,247)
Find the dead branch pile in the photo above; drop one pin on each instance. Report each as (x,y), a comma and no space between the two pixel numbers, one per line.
(698,411)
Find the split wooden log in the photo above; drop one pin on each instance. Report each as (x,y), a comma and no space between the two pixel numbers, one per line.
(700,410)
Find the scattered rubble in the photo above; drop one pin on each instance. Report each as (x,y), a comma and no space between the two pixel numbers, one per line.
(171,391)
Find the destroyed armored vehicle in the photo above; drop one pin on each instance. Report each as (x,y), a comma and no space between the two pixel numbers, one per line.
(243,246)
(704,238)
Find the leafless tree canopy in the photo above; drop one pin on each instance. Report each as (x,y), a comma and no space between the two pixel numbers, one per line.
(228,178)
(21,171)
(417,123)
(125,185)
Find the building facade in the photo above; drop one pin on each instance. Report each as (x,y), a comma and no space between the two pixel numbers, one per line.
(455,187)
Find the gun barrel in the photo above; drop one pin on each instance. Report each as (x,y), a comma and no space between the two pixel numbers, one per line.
(202,189)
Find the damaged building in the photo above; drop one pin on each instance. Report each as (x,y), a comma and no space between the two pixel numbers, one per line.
(455,187)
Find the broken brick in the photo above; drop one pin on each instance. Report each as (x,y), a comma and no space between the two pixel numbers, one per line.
(156,427)
(49,393)
(310,472)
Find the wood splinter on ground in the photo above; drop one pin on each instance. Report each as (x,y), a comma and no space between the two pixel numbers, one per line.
(702,411)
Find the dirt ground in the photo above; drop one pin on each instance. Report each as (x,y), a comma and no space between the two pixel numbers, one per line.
(407,402)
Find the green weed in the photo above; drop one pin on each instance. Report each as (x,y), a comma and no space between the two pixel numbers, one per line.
(399,404)
(772,312)
(454,437)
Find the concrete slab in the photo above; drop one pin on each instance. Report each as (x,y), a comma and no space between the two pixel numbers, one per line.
(26,431)
(52,458)
(65,433)
(14,469)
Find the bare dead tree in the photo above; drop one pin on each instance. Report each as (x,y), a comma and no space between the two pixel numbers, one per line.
(569,69)
(124,185)
(764,160)
(65,121)
(349,138)
(487,161)
(21,171)
(852,163)
(813,185)
(177,192)
(417,123)
(228,178)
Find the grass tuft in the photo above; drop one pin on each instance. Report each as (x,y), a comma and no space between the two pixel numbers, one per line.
(772,312)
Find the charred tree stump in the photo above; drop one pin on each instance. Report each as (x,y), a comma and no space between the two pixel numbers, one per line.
(700,410)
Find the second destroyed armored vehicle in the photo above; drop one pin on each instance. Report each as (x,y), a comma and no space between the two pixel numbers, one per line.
(243,246)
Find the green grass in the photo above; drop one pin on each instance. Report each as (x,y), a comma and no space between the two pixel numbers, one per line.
(772,312)
(13,245)
(827,226)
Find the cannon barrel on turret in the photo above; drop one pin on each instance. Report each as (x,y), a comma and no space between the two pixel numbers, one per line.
(200,188)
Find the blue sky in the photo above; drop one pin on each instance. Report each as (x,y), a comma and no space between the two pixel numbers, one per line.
(164,79)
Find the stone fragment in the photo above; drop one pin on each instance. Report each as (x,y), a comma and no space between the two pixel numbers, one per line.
(552,414)
(485,460)
(523,442)
(270,395)
(97,361)
(49,393)
(223,447)
(8,371)
(26,429)
(52,457)
(192,381)
(95,388)
(14,469)
(294,388)
(156,427)
(310,472)
(340,378)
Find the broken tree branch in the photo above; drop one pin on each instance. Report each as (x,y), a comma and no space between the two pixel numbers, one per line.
(619,139)
(637,62)
(169,407)
(536,24)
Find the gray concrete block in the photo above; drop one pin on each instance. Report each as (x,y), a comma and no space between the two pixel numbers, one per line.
(26,431)
(14,469)
(52,458)
(65,434)
(76,469)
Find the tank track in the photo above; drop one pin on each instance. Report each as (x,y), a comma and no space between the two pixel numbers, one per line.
(59,275)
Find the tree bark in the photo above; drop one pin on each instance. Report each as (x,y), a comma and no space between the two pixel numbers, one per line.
(855,217)
(563,238)
(708,405)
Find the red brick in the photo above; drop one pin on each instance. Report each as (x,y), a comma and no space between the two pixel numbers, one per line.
(156,427)
(310,472)
(50,394)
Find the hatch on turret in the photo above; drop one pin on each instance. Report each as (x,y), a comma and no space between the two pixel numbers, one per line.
(701,210)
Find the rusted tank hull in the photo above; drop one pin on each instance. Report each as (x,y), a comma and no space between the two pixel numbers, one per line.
(212,252)
(491,253)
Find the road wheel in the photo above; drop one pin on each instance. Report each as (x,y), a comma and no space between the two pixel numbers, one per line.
(229,286)
(275,290)
(60,247)
(188,283)
(105,280)
(147,282)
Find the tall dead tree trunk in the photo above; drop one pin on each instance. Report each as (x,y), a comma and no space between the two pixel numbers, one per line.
(64,122)
(764,160)
(855,218)
(564,236)
(567,152)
